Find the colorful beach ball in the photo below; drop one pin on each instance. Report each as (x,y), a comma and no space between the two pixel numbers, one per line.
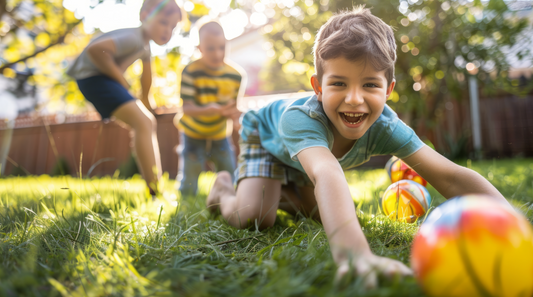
(474,246)
(405,201)
(398,170)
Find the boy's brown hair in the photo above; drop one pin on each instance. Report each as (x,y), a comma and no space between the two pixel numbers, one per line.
(167,7)
(354,35)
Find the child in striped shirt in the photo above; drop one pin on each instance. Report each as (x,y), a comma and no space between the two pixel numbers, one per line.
(209,90)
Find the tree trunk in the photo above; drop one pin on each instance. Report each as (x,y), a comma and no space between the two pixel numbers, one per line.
(3,4)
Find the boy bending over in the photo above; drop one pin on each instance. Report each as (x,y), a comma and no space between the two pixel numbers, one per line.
(99,73)
(309,142)
(209,90)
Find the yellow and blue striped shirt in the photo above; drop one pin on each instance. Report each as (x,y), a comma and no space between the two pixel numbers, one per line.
(202,86)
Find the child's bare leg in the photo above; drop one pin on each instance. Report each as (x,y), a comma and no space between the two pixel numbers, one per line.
(144,125)
(256,198)
(309,204)
(222,187)
(290,199)
(302,201)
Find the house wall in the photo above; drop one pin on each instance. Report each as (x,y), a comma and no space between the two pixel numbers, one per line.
(247,52)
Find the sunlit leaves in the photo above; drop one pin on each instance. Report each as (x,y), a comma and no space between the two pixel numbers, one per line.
(432,36)
(42,39)
(199,10)
(166,75)
(9,73)
(11,54)
(394,97)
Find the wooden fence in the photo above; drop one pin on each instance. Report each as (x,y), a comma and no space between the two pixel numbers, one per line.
(83,144)
(506,126)
(507,131)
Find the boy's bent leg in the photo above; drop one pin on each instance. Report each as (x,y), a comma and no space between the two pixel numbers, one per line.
(257,198)
(299,199)
(308,202)
(144,125)
(290,199)
(221,189)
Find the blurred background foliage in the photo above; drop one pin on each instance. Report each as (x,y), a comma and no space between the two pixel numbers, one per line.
(39,36)
(436,40)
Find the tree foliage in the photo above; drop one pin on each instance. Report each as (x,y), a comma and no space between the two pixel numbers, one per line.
(436,40)
(40,36)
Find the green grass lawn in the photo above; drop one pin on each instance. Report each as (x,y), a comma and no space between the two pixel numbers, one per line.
(102,236)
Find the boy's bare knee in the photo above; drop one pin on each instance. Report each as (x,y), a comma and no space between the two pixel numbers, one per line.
(263,220)
(243,220)
(267,223)
(147,124)
(154,126)
(152,122)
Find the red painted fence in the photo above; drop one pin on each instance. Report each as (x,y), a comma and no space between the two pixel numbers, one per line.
(34,148)
(507,131)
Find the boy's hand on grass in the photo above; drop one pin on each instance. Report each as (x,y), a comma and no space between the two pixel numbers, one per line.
(369,267)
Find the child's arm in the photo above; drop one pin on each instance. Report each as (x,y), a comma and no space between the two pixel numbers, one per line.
(146,83)
(101,54)
(235,113)
(449,178)
(348,244)
(191,109)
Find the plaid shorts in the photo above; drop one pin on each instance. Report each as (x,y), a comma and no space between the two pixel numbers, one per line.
(256,161)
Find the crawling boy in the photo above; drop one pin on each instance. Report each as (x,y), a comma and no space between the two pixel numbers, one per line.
(306,144)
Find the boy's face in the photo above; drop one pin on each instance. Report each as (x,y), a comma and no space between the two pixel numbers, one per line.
(353,95)
(159,28)
(213,49)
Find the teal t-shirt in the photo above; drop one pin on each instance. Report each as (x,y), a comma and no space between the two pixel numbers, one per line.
(286,127)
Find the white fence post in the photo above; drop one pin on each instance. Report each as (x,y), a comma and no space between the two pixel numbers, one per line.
(474,112)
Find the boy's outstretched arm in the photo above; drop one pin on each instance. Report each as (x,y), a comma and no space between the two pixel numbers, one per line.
(449,178)
(348,244)
(146,84)
(101,54)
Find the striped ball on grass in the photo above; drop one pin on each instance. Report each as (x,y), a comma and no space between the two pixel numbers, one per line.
(474,246)
(398,170)
(405,201)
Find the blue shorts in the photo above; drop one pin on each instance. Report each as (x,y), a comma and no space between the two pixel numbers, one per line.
(104,93)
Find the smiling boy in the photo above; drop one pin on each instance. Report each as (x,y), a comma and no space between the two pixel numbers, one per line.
(293,153)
